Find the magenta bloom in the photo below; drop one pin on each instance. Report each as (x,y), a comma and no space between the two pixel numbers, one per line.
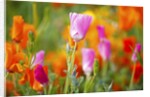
(39,58)
(40,75)
(79,25)
(88,56)
(101,32)
(104,49)
(138,47)
(136,51)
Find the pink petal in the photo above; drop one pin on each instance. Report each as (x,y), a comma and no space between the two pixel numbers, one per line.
(40,75)
(39,58)
(79,25)
(88,56)
(104,49)
(101,31)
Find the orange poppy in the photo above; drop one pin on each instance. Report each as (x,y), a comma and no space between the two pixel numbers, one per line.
(17,28)
(140,13)
(127,17)
(59,66)
(11,89)
(20,31)
(28,28)
(15,58)
(28,76)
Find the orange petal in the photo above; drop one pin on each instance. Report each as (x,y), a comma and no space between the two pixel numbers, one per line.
(37,86)
(23,79)
(16,68)
(17,28)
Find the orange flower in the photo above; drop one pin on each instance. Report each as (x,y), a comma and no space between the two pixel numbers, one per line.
(10,89)
(59,66)
(28,28)
(140,13)
(127,17)
(15,58)
(92,38)
(20,31)
(17,28)
(29,77)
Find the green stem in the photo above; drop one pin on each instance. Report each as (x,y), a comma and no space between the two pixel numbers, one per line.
(132,76)
(88,83)
(70,63)
(45,90)
(66,84)
(50,88)
(73,56)
(35,16)
(105,68)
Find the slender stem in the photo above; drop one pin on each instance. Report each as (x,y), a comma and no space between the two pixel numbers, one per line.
(50,88)
(70,64)
(45,90)
(66,84)
(132,76)
(105,67)
(35,16)
(73,56)
(88,83)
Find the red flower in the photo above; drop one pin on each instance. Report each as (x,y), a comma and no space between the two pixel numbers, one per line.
(129,44)
(138,72)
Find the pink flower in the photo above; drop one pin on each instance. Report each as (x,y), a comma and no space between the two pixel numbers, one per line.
(40,75)
(138,47)
(88,56)
(39,58)
(136,51)
(101,32)
(104,49)
(79,25)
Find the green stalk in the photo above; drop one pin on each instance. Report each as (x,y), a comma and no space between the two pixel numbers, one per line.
(50,88)
(45,90)
(88,83)
(70,64)
(105,68)
(66,85)
(132,76)
(35,16)
(73,57)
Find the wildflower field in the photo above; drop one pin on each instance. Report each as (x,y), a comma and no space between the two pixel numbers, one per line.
(58,48)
